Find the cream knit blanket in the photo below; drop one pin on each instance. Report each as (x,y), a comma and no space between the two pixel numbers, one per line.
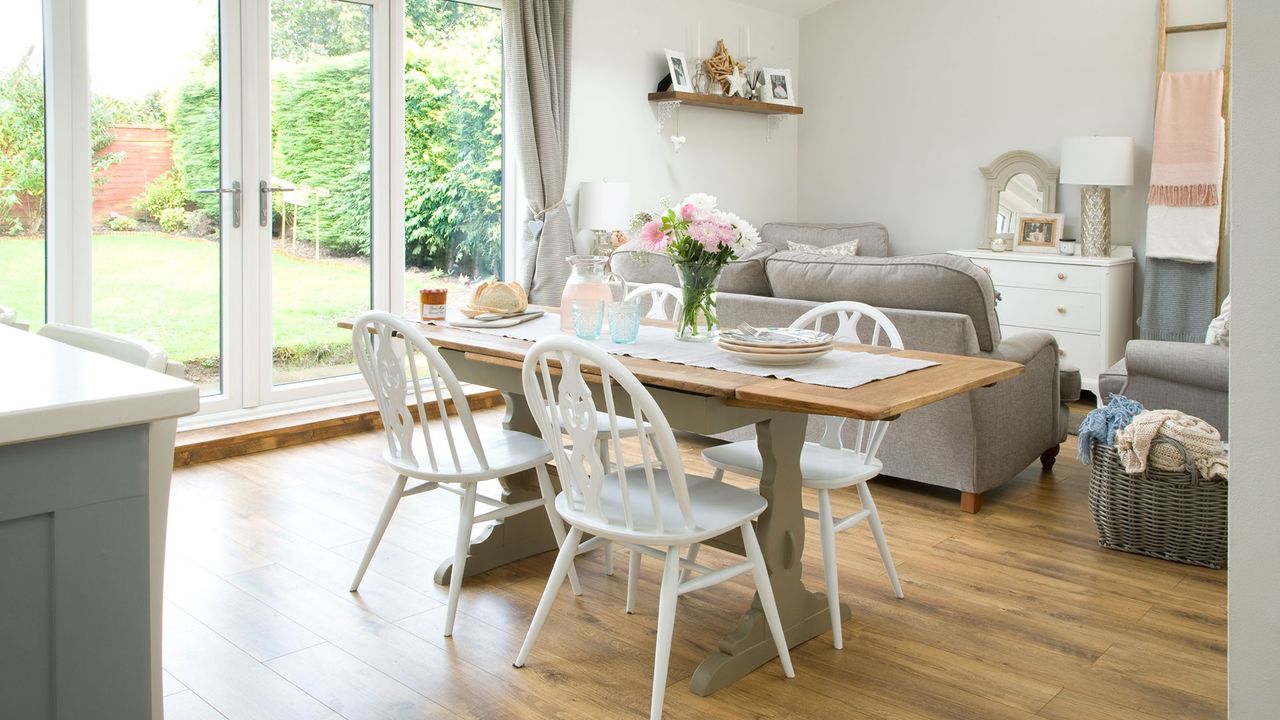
(1137,446)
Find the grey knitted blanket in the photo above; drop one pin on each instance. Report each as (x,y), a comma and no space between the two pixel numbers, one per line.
(1178,300)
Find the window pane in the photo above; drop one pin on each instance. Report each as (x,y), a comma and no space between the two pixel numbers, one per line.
(453,146)
(155,132)
(321,95)
(22,201)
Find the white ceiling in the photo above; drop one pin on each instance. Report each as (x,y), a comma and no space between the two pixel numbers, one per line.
(794,8)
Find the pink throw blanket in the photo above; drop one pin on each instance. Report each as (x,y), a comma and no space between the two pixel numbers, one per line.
(1186,160)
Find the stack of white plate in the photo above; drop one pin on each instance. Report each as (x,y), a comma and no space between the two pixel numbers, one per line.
(775,346)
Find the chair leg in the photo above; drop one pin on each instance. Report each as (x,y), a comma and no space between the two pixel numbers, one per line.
(877,530)
(970,502)
(1049,457)
(718,475)
(388,509)
(667,598)
(460,551)
(633,575)
(827,533)
(558,571)
(557,524)
(764,587)
(692,557)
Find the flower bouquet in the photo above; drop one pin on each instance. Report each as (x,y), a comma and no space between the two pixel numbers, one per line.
(700,240)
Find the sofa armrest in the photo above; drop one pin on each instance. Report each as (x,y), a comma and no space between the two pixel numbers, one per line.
(1021,348)
(1199,365)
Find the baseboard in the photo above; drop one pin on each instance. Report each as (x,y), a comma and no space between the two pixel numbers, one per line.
(228,441)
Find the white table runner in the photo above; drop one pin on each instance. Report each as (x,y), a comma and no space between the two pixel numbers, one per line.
(839,368)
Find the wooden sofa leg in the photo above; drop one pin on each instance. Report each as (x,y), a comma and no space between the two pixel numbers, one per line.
(970,502)
(1049,457)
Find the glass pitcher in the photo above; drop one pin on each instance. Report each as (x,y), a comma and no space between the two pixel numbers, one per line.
(589,280)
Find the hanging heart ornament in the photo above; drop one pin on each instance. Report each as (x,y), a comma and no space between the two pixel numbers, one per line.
(677,141)
(535,228)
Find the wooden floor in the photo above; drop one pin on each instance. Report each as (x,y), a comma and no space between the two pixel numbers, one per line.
(1011,613)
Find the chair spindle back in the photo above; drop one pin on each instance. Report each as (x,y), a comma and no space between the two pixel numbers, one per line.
(659,296)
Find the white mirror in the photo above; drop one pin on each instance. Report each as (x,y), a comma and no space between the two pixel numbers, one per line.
(1018,182)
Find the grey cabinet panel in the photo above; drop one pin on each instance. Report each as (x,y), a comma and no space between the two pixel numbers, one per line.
(74,629)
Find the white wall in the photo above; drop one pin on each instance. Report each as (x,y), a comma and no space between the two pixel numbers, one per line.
(905,100)
(618,59)
(1253,648)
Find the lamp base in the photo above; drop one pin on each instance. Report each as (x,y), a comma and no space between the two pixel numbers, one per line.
(1095,221)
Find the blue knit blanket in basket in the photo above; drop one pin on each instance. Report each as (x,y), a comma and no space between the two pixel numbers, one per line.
(1101,424)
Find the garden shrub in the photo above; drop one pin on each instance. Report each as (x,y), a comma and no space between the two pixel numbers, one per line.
(172,220)
(194,126)
(120,223)
(168,190)
(200,224)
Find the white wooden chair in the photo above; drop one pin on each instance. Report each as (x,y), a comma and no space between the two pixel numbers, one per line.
(120,347)
(9,316)
(438,457)
(827,465)
(652,508)
(658,295)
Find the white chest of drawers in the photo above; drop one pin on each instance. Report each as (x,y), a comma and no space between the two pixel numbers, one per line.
(1085,302)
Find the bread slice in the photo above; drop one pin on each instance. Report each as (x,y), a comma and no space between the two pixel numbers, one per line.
(497,297)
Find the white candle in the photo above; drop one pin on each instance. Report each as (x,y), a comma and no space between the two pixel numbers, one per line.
(697,44)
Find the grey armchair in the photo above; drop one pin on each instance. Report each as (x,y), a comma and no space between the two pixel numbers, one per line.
(1190,377)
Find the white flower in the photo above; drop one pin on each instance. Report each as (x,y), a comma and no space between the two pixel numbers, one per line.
(748,236)
(702,201)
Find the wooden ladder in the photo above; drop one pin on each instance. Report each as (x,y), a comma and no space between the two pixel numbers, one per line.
(1225,25)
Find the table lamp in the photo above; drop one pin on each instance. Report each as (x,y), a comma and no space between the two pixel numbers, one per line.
(603,207)
(1096,163)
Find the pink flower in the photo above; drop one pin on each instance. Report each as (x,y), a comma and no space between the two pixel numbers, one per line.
(712,235)
(652,238)
(688,212)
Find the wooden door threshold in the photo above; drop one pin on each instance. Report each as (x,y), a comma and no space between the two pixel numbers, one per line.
(227,441)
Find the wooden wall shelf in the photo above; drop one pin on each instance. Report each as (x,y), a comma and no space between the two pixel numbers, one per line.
(725,103)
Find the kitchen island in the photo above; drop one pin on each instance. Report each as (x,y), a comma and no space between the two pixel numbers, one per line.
(86,454)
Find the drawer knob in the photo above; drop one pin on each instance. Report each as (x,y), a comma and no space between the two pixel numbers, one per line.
(1062,309)
(984,267)
(1062,276)
(1062,353)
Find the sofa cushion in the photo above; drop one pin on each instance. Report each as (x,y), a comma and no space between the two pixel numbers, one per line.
(873,238)
(1112,381)
(940,282)
(744,276)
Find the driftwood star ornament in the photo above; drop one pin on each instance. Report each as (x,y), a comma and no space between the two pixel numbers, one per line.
(721,65)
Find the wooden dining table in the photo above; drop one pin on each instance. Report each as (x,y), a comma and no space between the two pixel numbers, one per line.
(709,401)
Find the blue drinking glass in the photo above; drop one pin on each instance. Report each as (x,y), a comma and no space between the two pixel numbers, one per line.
(588,318)
(624,322)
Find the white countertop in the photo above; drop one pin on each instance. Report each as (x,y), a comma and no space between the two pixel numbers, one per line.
(48,389)
(1120,255)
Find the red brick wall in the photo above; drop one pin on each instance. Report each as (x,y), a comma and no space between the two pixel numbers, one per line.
(147,154)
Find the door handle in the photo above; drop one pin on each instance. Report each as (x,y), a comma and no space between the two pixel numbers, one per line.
(264,201)
(234,192)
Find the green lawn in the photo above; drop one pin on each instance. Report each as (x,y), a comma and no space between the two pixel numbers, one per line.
(164,289)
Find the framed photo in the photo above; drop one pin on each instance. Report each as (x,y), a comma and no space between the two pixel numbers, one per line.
(777,87)
(1038,232)
(681,73)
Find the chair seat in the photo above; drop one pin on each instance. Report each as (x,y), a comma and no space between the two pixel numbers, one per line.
(626,426)
(820,466)
(717,508)
(507,451)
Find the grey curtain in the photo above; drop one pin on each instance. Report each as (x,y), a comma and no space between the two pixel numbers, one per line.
(536,34)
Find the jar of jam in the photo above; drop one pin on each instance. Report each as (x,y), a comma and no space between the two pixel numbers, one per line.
(432,303)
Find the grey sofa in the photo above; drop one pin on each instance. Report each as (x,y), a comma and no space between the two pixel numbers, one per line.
(1182,376)
(942,303)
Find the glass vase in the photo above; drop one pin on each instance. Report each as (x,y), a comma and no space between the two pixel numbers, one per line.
(697,321)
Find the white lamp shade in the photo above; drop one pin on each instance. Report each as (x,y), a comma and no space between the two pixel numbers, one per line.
(604,205)
(1097,160)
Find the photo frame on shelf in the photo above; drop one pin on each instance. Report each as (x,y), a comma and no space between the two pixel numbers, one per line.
(681,73)
(1038,232)
(777,87)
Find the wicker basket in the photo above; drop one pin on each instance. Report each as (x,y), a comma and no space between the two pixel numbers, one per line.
(1177,516)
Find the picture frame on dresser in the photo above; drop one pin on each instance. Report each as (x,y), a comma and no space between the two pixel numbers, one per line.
(1037,232)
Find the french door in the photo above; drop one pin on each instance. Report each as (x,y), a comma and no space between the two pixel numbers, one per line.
(302,197)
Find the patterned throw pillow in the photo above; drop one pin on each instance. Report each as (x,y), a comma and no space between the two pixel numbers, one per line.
(844,248)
